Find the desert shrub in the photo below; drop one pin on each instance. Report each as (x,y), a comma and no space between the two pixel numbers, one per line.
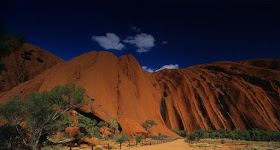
(95,131)
(182,133)
(192,137)
(81,135)
(114,126)
(138,139)
(102,124)
(89,135)
(66,135)
(236,134)
(159,137)
(98,148)
(162,136)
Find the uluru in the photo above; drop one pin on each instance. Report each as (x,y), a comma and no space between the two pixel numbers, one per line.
(100,75)
(220,95)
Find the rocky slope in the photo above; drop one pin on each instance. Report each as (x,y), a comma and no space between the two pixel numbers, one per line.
(221,95)
(218,95)
(25,64)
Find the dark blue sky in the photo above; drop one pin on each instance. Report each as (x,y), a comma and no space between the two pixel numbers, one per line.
(197,32)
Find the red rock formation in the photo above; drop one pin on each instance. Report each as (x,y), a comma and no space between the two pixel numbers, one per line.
(132,128)
(73,131)
(25,64)
(221,95)
(218,95)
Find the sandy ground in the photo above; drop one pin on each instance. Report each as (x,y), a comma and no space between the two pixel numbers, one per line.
(181,145)
(176,145)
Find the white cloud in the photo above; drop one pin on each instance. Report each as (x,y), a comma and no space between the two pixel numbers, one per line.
(164,42)
(110,41)
(135,29)
(170,66)
(144,42)
(147,69)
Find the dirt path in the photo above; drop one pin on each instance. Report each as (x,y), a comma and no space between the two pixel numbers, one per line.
(174,145)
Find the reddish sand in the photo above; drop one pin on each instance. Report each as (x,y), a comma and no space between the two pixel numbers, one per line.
(174,145)
(218,95)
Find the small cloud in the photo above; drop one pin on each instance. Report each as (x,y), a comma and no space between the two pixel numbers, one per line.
(164,42)
(110,41)
(170,66)
(144,42)
(135,29)
(147,69)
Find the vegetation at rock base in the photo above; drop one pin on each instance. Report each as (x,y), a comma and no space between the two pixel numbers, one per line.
(102,124)
(148,124)
(182,133)
(121,138)
(236,134)
(91,125)
(114,126)
(138,139)
(44,113)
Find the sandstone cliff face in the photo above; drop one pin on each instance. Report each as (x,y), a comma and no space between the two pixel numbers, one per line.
(221,95)
(25,64)
(218,95)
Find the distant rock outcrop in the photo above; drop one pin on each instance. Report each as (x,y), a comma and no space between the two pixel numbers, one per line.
(219,95)
(25,64)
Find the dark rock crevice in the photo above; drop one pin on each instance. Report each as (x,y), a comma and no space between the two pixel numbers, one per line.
(89,115)
(163,109)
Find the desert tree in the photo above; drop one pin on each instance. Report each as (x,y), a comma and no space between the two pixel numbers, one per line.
(148,124)
(13,113)
(44,112)
(121,138)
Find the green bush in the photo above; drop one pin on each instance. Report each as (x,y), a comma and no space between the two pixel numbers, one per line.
(95,131)
(81,135)
(159,137)
(138,139)
(182,133)
(114,126)
(102,124)
(89,135)
(236,134)
(66,135)
(86,122)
